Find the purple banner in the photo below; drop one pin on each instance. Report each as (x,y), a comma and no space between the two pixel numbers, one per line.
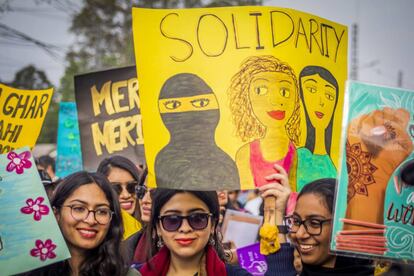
(251,259)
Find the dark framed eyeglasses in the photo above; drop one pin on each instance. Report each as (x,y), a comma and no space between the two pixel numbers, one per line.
(312,225)
(130,186)
(197,221)
(102,215)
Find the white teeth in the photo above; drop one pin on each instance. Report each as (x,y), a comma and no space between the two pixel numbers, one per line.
(306,247)
(89,232)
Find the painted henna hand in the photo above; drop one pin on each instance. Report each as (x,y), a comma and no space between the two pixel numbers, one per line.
(377,144)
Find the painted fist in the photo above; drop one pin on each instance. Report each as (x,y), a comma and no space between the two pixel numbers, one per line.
(377,143)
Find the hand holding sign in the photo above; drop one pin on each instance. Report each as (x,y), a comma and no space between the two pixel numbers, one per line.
(278,187)
(377,144)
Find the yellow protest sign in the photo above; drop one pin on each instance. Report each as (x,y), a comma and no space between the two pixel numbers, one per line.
(226,93)
(21,116)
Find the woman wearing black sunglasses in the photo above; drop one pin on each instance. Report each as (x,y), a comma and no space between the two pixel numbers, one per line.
(124,177)
(137,246)
(183,235)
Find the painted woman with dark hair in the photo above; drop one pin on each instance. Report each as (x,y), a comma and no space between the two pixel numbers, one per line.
(265,108)
(319,94)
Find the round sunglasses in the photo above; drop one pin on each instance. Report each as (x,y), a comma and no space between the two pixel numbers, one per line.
(197,221)
(129,186)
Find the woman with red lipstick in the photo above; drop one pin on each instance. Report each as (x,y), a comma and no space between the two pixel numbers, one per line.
(88,214)
(183,234)
(264,102)
(319,94)
(310,228)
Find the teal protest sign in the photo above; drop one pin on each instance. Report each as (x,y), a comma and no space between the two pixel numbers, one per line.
(30,237)
(69,155)
(374,208)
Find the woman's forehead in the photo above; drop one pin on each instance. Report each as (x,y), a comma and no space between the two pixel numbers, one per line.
(184,202)
(90,194)
(311,205)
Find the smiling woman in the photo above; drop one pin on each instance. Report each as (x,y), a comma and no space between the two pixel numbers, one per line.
(183,234)
(124,177)
(310,228)
(88,214)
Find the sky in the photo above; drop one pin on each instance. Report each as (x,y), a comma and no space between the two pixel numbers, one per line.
(385,37)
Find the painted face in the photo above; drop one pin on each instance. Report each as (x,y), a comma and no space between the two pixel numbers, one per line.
(319,97)
(145,205)
(88,233)
(124,184)
(272,95)
(185,242)
(314,249)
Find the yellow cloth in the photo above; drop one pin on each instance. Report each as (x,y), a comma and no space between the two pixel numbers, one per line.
(269,242)
(131,224)
(381,268)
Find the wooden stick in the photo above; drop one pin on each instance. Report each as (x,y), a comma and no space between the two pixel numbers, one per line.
(269,210)
(363,223)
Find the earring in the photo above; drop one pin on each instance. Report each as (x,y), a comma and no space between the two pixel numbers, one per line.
(211,241)
(160,243)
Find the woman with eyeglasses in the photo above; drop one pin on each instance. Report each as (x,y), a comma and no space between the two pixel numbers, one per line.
(183,235)
(310,228)
(88,214)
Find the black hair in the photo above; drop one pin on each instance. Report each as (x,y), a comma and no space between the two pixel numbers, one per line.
(46,161)
(310,129)
(324,187)
(124,163)
(118,162)
(162,195)
(106,258)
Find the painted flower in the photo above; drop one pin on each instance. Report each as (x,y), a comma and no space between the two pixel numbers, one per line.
(36,207)
(44,250)
(18,162)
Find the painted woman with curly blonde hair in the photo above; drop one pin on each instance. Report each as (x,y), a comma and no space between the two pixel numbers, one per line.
(264,102)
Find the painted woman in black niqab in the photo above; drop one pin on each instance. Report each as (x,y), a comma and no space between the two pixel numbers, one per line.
(192,159)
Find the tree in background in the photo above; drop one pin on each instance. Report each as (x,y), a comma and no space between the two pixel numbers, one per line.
(103,30)
(31,78)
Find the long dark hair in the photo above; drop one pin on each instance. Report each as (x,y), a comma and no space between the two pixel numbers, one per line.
(118,162)
(324,187)
(310,130)
(162,195)
(106,258)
